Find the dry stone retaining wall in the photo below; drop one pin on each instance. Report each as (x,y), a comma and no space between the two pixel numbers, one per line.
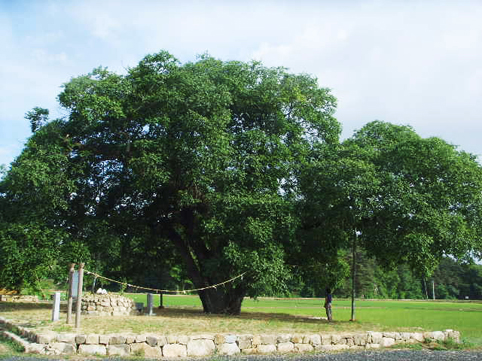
(18,298)
(107,305)
(170,346)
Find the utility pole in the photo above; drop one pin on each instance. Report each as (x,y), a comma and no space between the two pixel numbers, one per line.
(353,277)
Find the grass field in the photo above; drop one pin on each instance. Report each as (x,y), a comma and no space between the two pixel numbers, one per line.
(380,314)
(183,315)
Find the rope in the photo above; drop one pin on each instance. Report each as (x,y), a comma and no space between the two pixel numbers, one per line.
(165,291)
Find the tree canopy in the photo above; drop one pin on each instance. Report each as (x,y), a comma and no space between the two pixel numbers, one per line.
(196,162)
(213,169)
(405,199)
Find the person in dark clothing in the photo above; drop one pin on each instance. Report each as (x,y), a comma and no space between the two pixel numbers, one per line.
(328,301)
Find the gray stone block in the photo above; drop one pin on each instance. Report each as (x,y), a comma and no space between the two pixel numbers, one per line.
(284,338)
(286,347)
(374,337)
(245,341)
(265,349)
(66,338)
(171,339)
(183,340)
(360,339)
(314,340)
(104,339)
(219,339)
(144,350)
(162,340)
(230,338)
(174,351)
(118,350)
(92,339)
(100,350)
(151,340)
(339,347)
(228,349)
(326,339)
(297,339)
(63,348)
(80,339)
(303,347)
(387,342)
(417,336)
(200,347)
(140,338)
(46,337)
(117,340)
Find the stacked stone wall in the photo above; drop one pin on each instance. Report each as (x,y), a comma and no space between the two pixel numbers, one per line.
(18,298)
(107,305)
(170,346)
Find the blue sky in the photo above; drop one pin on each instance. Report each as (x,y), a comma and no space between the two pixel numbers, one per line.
(406,62)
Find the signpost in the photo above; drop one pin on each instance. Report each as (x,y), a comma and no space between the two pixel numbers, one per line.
(56,307)
(75,291)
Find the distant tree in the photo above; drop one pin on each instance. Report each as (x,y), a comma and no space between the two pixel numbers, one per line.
(402,198)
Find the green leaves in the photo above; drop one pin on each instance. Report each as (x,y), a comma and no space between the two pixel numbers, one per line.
(37,117)
(410,200)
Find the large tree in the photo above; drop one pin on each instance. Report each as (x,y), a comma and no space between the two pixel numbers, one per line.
(196,162)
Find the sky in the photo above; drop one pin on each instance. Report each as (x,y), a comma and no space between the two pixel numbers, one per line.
(416,63)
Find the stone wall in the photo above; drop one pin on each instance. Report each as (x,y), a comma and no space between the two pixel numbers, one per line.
(159,346)
(18,298)
(107,305)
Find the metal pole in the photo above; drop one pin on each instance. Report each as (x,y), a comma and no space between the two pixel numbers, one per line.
(79,295)
(70,300)
(161,305)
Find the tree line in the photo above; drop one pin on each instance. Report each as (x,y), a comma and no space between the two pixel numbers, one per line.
(210,169)
(450,280)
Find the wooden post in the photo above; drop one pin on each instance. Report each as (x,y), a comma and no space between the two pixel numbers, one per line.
(70,301)
(79,295)
(161,302)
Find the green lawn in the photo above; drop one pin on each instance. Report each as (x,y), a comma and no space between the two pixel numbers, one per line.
(465,317)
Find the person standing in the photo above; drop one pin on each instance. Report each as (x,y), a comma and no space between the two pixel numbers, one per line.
(328,301)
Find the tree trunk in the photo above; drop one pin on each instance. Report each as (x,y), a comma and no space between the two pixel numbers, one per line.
(222,301)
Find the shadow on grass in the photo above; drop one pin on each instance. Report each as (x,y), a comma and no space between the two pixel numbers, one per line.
(252,316)
(187,312)
(21,306)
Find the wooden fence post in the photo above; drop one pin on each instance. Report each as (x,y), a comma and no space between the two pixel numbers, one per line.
(69,302)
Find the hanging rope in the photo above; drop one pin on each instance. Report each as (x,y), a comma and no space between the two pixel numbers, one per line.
(164,291)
